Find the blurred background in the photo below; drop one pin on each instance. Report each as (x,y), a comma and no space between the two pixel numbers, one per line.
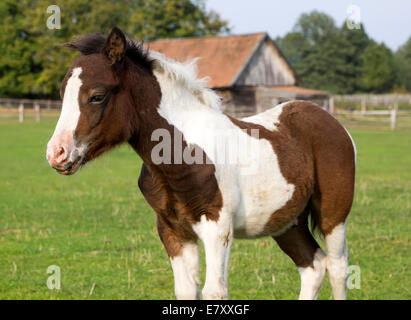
(358,56)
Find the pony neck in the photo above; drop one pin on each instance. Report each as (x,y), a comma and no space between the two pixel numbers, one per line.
(185,104)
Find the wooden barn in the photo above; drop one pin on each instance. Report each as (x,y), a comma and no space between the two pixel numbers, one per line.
(248,71)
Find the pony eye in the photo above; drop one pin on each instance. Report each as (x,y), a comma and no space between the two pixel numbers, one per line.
(96,99)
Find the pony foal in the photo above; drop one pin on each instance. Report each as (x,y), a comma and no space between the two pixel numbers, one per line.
(301,164)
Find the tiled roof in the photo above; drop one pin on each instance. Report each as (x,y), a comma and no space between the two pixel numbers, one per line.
(221,58)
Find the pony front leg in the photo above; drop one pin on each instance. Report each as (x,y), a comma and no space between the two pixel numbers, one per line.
(217,237)
(185,261)
(186,269)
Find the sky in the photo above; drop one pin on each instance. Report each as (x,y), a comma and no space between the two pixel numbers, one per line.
(387,21)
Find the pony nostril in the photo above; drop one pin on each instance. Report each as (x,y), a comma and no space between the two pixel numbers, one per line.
(60,155)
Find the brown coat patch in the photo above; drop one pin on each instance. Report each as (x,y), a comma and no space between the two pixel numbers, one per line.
(317,156)
(333,159)
(298,242)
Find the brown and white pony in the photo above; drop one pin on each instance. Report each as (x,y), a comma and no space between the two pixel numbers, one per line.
(302,161)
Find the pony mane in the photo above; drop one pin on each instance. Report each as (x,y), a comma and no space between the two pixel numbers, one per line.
(185,74)
(94,43)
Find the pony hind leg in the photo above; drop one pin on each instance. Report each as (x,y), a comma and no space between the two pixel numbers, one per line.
(299,244)
(335,161)
(331,217)
(337,261)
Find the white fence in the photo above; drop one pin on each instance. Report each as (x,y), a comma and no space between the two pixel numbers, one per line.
(35,104)
(388,118)
(363,101)
(30,103)
(380,111)
(390,115)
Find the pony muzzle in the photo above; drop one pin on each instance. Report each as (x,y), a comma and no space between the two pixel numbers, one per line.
(63,155)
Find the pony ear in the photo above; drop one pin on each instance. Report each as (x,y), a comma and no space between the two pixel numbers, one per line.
(115,46)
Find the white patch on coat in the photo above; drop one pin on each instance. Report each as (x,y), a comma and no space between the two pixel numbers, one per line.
(337,261)
(195,111)
(269,118)
(217,237)
(312,277)
(186,269)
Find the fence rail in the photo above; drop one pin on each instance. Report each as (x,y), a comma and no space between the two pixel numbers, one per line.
(392,113)
(367,101)
(391,117)
(30,103)
(377,120)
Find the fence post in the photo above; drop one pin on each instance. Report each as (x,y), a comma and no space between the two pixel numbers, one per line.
(37,111)
(331,105)
(21,112)
(363,105)
(393,116)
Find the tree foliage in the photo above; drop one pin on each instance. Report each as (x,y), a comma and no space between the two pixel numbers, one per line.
(341,60)
(402,60)
(33,63)
(325,56)
(154,19)
(378,69)
(319,52)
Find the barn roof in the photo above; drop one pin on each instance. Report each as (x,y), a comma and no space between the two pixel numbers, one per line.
(222,59)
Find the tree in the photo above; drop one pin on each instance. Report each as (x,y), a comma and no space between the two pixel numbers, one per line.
(18,69)
(357,40)
(77,17)
(158,19)
(318,51)
(378,69)
(294,47)
(33,63)
(341,60)
(403,63)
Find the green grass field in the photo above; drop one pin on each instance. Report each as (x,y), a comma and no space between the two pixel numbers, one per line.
(98,229)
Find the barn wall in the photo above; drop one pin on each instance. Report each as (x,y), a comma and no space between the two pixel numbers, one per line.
(269,97)
(267,68)
(238,101)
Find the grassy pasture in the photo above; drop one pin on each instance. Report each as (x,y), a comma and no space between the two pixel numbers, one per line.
(98,229)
